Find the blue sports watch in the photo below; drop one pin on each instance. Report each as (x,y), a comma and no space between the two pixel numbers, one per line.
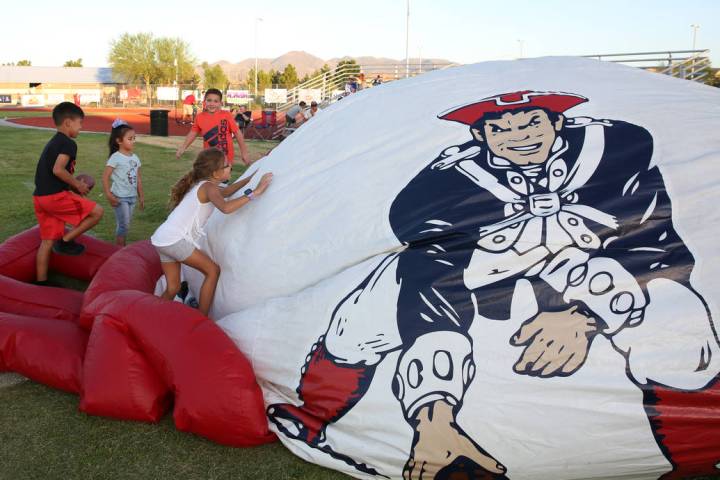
(249,194)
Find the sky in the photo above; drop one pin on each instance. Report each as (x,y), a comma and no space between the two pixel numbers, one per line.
(463,31)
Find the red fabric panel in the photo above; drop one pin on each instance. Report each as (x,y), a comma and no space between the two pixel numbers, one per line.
(216,394)
(117,379)
(17,257)
(135,267)
(43,302)
(687,425)
(44,350)
(85,266)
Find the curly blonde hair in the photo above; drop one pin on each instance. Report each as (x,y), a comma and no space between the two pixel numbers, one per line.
(207,162)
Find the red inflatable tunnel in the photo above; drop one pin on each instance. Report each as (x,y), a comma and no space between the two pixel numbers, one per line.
(39,332)
(127,352)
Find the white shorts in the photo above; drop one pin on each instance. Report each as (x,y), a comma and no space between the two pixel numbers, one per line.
(176,252)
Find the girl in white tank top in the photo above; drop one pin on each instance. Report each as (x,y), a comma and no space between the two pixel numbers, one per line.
(194,198)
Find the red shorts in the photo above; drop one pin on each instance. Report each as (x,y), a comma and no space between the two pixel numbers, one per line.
(54,211)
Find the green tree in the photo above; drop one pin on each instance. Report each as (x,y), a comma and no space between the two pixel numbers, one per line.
(289,76)
(265,80)
(214,77)
(713,77)
(24,63)
(348,68)
(175,62)
(275,77)
(324,69)
(133,58)
(73,63)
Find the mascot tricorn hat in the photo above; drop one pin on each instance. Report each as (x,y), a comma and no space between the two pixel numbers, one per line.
(556,102)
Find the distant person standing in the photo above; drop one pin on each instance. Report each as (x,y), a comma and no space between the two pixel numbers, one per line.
(188,106)
(377,81)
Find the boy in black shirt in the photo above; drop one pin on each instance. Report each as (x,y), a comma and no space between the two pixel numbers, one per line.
(55,205)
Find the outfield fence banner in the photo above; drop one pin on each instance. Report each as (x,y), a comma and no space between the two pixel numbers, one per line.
(33,100)
(310,95)
(130,94)
(5,98)
(275,95)
(89,96)
(167,93)
(237,97)
(54,98)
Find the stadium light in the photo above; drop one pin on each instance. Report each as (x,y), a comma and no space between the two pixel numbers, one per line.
(407,41)
(257,20)
(694,29)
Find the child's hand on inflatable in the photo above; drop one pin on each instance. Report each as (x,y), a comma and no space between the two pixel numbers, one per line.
(263,184)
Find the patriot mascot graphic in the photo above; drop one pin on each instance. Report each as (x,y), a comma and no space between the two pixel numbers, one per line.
(566,214)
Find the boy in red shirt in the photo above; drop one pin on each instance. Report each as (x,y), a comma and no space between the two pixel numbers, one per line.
(217,128)
(55,205)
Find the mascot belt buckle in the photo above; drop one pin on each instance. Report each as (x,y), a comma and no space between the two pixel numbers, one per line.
(544,204)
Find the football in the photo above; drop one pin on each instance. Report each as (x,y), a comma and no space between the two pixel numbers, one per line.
(88,179)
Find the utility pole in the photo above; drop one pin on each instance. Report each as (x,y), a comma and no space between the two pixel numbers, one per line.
(407,41)
(694,29)
(520,43)
(257,20)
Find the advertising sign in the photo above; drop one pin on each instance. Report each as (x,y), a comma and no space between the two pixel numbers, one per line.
(275,95)
(238,97)
(167,93)
(33,100)
(310,94)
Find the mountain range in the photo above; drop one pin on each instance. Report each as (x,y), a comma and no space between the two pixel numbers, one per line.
(306,63)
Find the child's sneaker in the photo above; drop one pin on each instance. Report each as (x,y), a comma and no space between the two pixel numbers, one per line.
(62,247)
(192,302)
(184,290)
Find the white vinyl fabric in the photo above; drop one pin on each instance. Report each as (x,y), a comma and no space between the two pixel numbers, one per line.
(290,259)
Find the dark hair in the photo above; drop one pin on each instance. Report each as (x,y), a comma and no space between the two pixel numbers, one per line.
(303,104)
(207,161)
(117,133)
(479,123)
(65,110)
(213,91)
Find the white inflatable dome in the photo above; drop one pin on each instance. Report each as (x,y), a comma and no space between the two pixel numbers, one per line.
(507,269)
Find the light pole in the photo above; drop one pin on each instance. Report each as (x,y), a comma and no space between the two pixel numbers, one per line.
(520,43)
(407,41)
(694,29)
(257,20)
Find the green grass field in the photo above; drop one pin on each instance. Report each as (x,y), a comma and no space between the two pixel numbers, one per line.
(5,113)
(42,434)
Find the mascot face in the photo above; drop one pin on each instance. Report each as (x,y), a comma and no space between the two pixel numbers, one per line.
(522,137)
